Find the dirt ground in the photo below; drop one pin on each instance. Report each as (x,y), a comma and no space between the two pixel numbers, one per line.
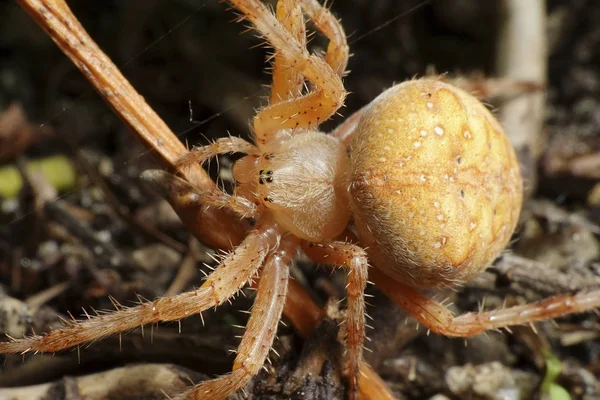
(205,78)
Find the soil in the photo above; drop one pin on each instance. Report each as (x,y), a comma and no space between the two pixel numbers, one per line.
(186,57)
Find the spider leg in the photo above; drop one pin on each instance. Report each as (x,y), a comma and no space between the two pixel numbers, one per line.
(337,51)
(199,155)
(440,319)
(301,310)
(287,81)
(229,277)
(260,331)
(302,112)
(185,197)
(355,259)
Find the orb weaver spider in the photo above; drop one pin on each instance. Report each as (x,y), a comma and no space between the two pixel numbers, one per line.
(424,172)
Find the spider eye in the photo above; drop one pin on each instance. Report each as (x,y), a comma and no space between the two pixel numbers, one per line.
(265,177)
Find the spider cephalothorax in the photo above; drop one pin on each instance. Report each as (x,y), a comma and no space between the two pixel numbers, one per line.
(303,181)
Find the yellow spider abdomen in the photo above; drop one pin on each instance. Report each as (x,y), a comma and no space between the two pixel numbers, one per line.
(436,186)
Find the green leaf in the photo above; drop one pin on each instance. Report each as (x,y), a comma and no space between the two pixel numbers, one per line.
(552,390)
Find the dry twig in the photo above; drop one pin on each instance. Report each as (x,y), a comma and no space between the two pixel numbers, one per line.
(522,56)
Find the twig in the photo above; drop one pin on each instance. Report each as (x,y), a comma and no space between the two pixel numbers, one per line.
(145,381)
(41,298)
(522,56)
(187,270)
(537,276)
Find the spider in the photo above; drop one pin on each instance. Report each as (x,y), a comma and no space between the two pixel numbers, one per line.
(424,175)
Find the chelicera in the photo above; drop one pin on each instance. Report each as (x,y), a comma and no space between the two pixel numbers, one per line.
(424,175)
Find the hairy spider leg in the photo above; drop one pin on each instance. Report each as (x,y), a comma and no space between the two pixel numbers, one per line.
(301,310)
(354,258)
(183,196)
(287,81)
(309,110)
(229,277)
(201,154)
(260,331)
(337,50)
(212,197)
(441,320)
